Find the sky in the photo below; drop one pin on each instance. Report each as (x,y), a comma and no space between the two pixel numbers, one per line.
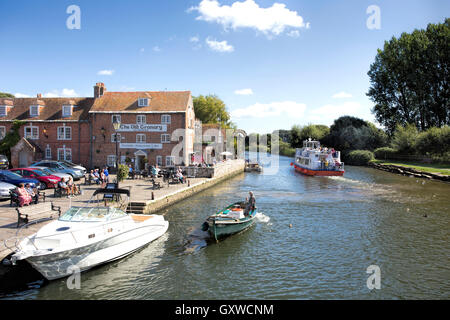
(273,63)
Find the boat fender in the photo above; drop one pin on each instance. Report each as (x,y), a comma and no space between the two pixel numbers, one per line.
(205,226)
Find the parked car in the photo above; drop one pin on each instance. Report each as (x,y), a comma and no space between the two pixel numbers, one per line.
(5,188)
(60,167)
(4,162)
(73,165)
(46,180)
(51,171)
(15,179)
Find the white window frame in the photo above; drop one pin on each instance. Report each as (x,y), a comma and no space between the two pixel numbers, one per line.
(111,160)
(141,119)
(141,138)
(143,102)
(170,161)
(116,115)
(159,161)
(2,132)
(166,118)
(67,154)
(119,137)
(165,140)
(31,135)
(3,111)
(66,107)
(34,107)
(48,152)
(66,133)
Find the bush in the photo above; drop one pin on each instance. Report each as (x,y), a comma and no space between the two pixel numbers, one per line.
(122,173)
(384,153)
(405,139)
(359,157)
(435,141)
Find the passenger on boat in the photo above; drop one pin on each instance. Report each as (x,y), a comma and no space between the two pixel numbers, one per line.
(250,204)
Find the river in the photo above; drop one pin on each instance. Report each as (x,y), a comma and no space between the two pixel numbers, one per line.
(314,239)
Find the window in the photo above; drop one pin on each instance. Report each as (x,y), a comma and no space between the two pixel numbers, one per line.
(31,132)
(165,138)
(113,137)
(159,161)
(140,119)
(67,111)
(115,118)
(34,111)
(48,152)
(140,138)
(3,111)
(170,161)
(2,132)
(165,118)
(123,159)
(111,160)
(143,102)
(64,133)
(64,154)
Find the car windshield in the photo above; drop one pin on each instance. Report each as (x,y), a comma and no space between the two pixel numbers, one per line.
(11,175)
(91,214)
(47,171)
(40,172)
(68,163)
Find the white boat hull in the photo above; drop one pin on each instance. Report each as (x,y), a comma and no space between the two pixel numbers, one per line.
(63,263)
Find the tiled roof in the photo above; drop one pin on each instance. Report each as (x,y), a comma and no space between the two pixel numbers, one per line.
(51,108)
(159,101)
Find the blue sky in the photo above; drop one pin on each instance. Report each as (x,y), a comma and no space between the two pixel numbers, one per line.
(274,65)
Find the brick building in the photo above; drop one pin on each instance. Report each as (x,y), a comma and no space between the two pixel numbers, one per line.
(155,127)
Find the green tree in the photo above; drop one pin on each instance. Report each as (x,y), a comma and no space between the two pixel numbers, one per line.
(211,109)
(405,138)
(410,79)
(313,131)
(6,95)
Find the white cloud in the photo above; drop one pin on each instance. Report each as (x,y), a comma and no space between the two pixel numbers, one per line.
(293,33)
(259,110)
(341,95)
(244,92)
(219,46)
(194,39)
(105,72)
(273,20)
(63,93)
(330,112)
(156,49)
(21,95)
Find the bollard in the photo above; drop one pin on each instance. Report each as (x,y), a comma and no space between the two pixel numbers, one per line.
(153,196)
(189,183)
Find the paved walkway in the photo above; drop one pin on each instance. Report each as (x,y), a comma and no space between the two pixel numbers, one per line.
(141,191)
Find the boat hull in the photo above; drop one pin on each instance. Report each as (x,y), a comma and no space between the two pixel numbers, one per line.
(64,263)
(310,172)
(222,229)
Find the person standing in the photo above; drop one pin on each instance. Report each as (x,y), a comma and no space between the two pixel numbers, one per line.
(251,204)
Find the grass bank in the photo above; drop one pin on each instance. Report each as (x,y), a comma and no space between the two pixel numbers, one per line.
(425,167)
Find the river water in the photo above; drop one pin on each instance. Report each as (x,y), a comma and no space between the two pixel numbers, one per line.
(339,227)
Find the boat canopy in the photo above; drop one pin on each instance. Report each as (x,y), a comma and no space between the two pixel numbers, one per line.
(311,144)
(91,214)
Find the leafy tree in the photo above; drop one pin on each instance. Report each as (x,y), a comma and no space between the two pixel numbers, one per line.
(405,138)
(11,139)
(6,95)
(410,79)
(211,109)
(313,131)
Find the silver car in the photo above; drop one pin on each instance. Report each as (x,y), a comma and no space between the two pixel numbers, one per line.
(4,189)
(60,167)
(51,171)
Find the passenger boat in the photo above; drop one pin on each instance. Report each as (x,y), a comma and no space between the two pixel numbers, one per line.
(313,160)
(252,167)
(84,237)
(229,221)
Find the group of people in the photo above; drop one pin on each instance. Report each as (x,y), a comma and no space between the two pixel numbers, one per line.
(26,194)
(69,186)
(100,177)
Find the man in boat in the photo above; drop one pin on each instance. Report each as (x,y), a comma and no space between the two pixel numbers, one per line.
(250,204)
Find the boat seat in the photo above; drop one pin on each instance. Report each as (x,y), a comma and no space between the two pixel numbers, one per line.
(140,218)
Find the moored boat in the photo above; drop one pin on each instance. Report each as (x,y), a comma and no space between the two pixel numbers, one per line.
(252,167)
(313,160)
(231,220)
(84,237)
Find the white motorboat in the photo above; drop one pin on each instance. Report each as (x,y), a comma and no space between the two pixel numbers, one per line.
(84,237)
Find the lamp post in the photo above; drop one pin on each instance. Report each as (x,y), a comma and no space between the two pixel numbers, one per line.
(116,125)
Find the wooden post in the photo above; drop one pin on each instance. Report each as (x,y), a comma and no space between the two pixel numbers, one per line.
(153,196)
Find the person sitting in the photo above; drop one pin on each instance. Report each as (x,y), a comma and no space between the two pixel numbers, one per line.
(23,196)
(72,187)
(63,185)
(33,195)
(93,177)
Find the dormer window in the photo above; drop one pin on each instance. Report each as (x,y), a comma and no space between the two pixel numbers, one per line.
(34,111)
(143,102)
(67,110)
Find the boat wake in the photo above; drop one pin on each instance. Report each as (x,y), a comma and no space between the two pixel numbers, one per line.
(195,240)
(261,217)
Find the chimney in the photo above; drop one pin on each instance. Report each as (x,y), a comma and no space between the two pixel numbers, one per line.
(39,95)
(99,89)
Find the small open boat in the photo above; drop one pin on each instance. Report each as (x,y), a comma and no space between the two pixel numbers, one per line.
(228,221)
(252,167)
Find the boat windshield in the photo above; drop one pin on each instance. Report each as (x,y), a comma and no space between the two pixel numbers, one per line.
(87,214)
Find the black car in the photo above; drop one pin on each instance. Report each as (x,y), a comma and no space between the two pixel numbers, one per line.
(4,162)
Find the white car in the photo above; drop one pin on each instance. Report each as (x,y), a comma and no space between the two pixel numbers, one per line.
(4,189)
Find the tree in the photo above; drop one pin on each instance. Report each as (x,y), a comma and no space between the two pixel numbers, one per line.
(410,79)
(6,95)
(211,109)
(405,138)
(313,131)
